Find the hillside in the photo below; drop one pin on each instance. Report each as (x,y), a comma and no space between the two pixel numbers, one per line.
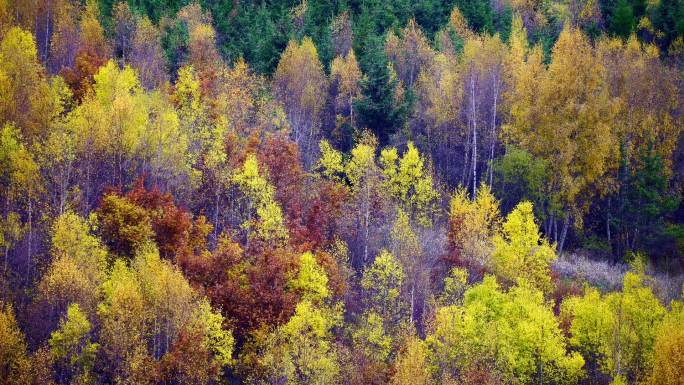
(347,192)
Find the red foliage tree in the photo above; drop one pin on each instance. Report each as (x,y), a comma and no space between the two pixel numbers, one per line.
(250,289)
(171,225)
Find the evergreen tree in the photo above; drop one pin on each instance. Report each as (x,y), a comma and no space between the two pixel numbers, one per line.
(622,21)
(378,108)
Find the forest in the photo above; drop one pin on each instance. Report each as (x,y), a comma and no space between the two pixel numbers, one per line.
(347,192)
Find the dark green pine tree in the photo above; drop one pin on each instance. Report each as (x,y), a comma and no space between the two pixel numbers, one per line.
(378,109)
(622,20)
(668,17)
(478,13)
(647,205)
(174,41)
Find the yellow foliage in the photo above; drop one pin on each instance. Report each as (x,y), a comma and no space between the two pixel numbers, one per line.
(474,223)
(269,224)
(520,253)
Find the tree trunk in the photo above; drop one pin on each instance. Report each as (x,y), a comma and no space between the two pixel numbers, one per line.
(493,138)
(7,202)
(367,227)
(413,299)
(47,32)
(566,223)
(30,238)
(474,125)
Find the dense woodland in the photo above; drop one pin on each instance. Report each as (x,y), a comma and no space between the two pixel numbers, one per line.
(341,192)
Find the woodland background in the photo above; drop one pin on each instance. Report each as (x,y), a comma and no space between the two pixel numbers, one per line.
(341,192)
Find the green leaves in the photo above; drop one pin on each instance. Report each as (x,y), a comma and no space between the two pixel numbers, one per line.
(520,253)
(617,331)
(383,281)
(515,332)
(269,223)
(410,182)
(71,343)
(311,280)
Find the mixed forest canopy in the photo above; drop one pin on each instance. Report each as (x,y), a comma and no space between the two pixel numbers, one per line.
(341,192)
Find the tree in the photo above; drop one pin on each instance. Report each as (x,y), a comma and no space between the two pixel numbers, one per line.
(123,116)
(299,84)
(124,30)
(92,53)
(301,351)
(202,350)
(408,53)
(13,359)
(368,202)
(122,320)
(311,281)
(514,332)
(372,339)
(647,134)
(12,226)
(622,20)
(365,179)
(342,36)
(411,366)
(383,281)
(310,348)
(478,14)
(77,270)
(520,252)
(58,152)
(591,321)
(25,98)
(265,215)
(65,39)
(472,227)
(251,290)
(345,83)
(172,226)
(163,152)
(617,330)
(519,176)
(72,349)
(379,109)
(410,183)
(202,52)
(581,153)
(437,126)
(482,68)
(125,225)
(147,55)
(168,299)
(668,357)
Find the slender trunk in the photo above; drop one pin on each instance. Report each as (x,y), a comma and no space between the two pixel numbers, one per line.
(616,353)
(566,223)
(47,32)
(168,331)
(608,223)
(493,139)
(464,173)
(217,194)
(547,228)
(474,125)
(351,111)
(7,203)
(367,226)
(413,299)
(30,238)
